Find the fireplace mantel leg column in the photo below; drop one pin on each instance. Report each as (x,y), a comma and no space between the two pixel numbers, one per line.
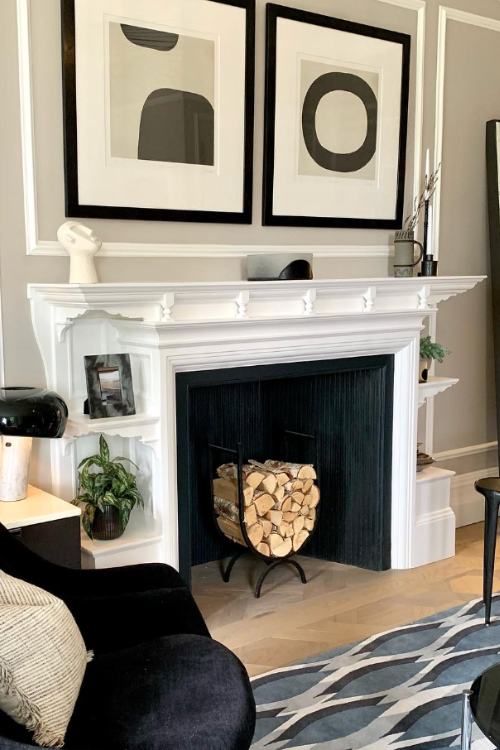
(404,454)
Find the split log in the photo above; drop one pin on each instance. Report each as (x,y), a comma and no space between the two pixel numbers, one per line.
(309,524)
(312,497)
(251,477)
(251,515)
(296,471)
(283,549)
(269,483)
(274,541)
(228,489)
(306,485)
(289,516)
(266,525)
(295,507)
(299,539)
(304,510)
(275,516)
(298,524)
(226,508)
(282,478)
(279,494)
(255,534)
(231,530)
(298,497)
(263,502)
(287,504)
(263,548)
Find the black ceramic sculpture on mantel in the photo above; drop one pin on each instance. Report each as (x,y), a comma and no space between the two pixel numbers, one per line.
(493,171)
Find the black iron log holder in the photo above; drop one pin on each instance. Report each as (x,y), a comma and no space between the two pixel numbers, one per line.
(271,563)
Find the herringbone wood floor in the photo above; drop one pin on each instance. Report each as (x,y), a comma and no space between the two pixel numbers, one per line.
(339,604)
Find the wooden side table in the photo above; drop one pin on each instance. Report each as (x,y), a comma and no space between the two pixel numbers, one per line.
(47,525)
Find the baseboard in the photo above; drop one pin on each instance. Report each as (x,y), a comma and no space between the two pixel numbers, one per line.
(467,504)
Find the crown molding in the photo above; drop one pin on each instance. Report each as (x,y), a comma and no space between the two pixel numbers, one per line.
(472,19)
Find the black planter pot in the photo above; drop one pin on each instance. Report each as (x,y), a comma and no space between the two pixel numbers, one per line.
(106,524)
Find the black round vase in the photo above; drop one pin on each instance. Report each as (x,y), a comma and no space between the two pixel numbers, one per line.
(106,524)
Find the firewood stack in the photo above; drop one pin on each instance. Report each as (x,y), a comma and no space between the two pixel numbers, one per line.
(280,502)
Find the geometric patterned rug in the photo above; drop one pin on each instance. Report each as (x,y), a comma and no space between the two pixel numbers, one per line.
(396,690)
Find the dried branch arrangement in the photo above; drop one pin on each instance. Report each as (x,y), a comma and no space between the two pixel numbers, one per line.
(425,196)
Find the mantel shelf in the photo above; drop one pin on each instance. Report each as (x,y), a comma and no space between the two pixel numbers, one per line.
(432,387)
(143,426)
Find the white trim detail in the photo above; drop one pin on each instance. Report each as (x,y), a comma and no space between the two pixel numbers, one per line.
(419,6)
(468,450)
(448,14)
(163,250)
(467,504)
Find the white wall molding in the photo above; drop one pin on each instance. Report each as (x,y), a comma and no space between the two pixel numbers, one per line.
(420,7)
(467,504)
(164,250)
(468,450)
(37,246)
(448,14)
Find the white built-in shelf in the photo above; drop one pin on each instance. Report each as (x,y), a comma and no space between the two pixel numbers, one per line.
(432,387)
(37,507)
(143,426)
(139,543)
(433,474)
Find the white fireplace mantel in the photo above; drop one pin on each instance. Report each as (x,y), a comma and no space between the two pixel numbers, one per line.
(170,328)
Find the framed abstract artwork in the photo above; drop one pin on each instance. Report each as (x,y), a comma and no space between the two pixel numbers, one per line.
(158,109)
(335,122)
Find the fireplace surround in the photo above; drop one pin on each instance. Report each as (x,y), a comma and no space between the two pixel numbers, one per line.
(174,329)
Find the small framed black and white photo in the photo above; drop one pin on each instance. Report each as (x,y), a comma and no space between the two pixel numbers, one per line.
(109,385)
(158,109)
(335,122)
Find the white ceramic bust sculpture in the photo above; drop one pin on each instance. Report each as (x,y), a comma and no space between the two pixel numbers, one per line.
(81,244)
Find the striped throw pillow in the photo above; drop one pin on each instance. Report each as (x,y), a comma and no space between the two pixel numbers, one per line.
(42,660)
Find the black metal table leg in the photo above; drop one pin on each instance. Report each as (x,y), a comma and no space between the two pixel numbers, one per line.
(490,543)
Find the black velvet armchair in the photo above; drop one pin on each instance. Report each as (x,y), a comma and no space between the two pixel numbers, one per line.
(158,681)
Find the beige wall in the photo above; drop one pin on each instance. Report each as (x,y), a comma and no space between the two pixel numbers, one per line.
(464,416)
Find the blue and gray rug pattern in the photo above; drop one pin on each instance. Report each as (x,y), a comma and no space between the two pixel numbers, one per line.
(396,690)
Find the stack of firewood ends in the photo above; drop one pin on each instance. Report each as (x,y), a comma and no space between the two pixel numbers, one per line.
(280,502)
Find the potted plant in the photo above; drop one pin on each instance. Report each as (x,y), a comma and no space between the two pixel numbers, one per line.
(108,492)
(429,350)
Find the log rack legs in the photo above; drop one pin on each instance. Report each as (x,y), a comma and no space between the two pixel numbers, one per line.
(226,572)
(271,565)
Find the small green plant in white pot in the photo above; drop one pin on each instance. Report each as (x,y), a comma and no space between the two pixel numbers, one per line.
(429,350)
(108,492)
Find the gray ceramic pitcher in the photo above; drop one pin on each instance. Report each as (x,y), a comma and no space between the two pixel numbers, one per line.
(404,253)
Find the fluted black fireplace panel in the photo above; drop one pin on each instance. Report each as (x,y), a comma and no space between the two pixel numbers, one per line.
(346,404)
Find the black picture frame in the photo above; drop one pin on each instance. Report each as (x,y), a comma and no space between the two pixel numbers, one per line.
(73,207)
(274,12)
(110,388)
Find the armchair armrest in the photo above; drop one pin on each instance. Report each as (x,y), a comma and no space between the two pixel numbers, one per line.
(20,562)
(119,620)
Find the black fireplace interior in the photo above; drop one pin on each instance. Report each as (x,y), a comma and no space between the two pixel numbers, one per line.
(346,404)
